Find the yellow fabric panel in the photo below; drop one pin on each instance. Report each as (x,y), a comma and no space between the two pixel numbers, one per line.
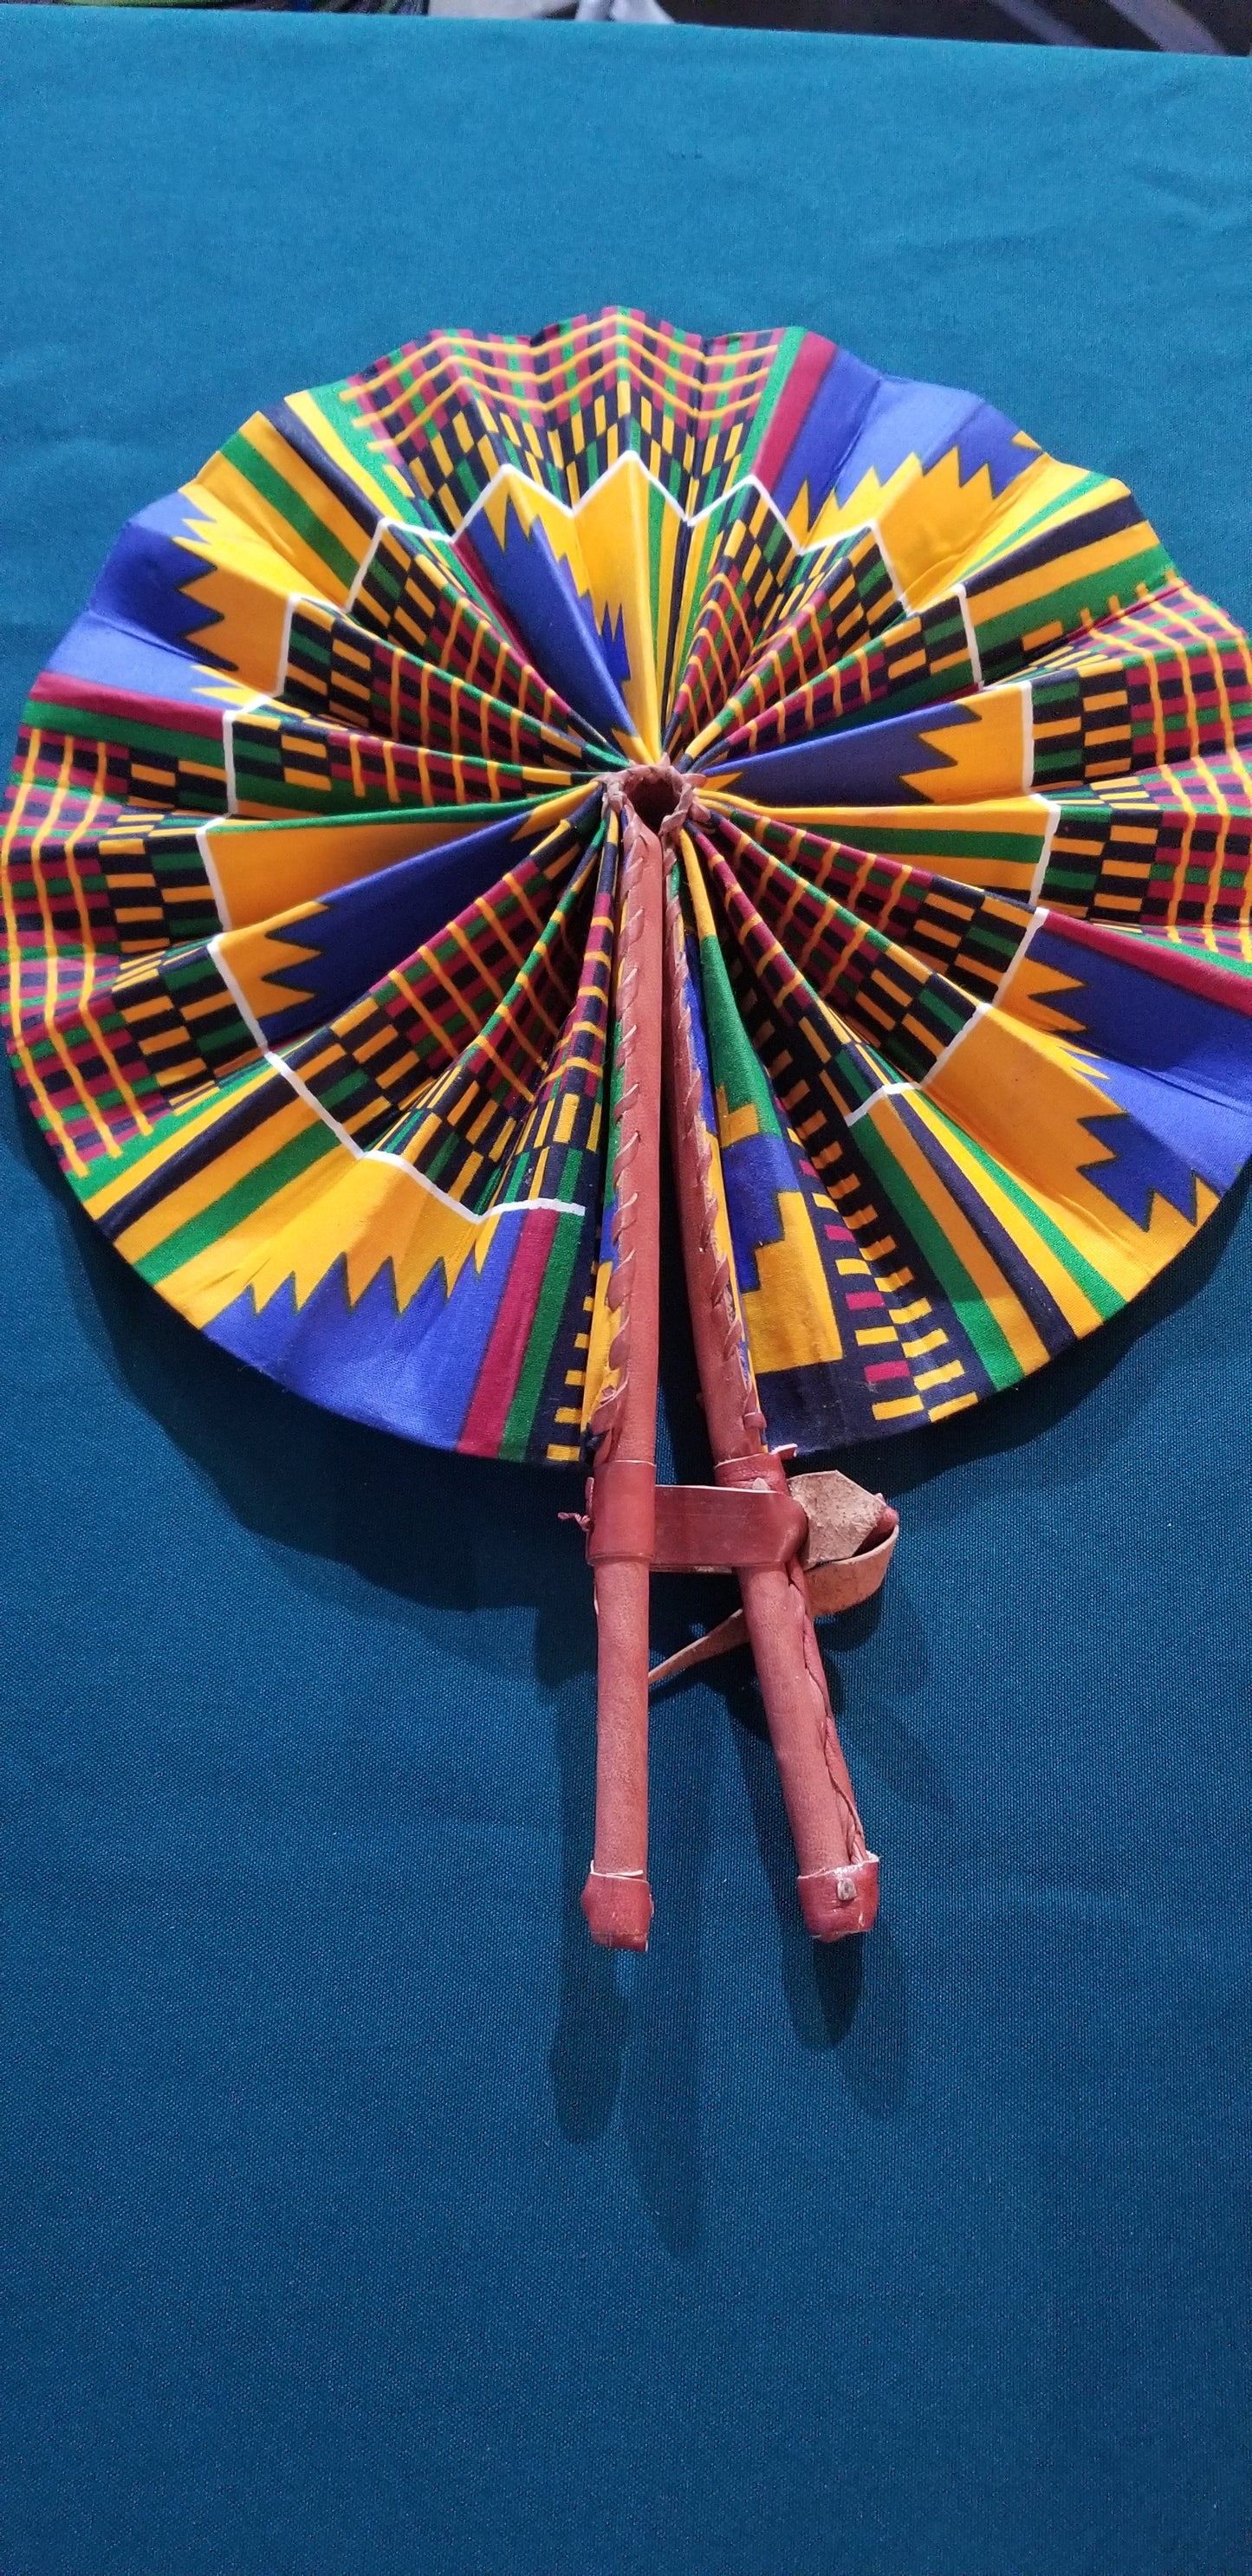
(195,1195)
(268,868)
(236,494)
(931,527)
(987,751)
(265,949)
(180,1128)
(1023,1096)
(612,525)
(870,828)
(309,410)
(789,1316)
(1000,1299)
(369,1212)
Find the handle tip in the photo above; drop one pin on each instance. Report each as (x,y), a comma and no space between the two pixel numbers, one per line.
(835,1902)
(618,1907)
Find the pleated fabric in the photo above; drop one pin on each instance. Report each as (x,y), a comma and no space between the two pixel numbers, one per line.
(310,878)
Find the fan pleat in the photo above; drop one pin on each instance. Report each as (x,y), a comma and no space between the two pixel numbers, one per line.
(310,879)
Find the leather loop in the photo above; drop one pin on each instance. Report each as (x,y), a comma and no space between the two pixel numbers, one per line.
(841,1582)
(707,1529)
(689,1529)
(842,1517)
(849,1543)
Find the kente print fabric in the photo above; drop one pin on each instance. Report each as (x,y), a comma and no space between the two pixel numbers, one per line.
(310,873)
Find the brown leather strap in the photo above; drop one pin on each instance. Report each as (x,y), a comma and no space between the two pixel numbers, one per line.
(839,1585)
(688,1529)
(706,1529)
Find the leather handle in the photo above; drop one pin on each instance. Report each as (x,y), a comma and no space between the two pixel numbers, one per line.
(617,1900)
(838,1879)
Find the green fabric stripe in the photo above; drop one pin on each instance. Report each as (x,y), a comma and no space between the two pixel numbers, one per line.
(966,1299)
(52,717)
(543,1333)
(733,1062)
(656,524)
(470,815)
(235,1204)
(281,496)
(925,846)
(1104,1298)
(113,1167)
(1045,517)
(788,352)
(340,417)
(1091,591)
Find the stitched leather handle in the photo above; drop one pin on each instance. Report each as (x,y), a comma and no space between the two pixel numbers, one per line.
(838,1881)
(617,1899)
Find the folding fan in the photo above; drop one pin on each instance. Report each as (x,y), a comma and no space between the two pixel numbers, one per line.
(485,749)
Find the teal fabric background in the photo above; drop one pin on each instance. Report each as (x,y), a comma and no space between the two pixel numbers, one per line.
(361,2220)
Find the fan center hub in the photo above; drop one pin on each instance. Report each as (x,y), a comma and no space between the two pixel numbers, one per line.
(656,791)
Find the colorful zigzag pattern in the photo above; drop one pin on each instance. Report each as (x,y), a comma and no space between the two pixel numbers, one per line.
(310,880)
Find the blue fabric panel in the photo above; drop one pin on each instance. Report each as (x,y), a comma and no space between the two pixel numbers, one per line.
(117,656)
(864,764)
(358,932)
(923,421)
(556,623)
(360,2220)
(144,581)
(1181,1036)
(841,405)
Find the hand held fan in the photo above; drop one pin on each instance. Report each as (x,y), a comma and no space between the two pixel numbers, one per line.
(748,1521)
(527,739)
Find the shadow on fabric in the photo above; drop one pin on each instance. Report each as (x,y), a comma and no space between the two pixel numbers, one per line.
(458,1533)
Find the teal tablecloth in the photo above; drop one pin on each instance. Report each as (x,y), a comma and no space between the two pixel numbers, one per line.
(360,2220)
